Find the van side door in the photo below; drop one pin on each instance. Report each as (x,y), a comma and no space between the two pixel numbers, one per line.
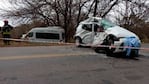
(88,34)
(100,35)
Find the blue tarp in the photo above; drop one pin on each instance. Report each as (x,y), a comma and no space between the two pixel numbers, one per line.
(132,42)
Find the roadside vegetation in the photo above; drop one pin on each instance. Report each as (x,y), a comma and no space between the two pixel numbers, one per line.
(29,44)
(131,14)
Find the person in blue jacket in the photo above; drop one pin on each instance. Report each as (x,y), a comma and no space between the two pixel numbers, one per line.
(132,43)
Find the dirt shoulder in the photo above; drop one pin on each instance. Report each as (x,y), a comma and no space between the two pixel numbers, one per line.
(21,44)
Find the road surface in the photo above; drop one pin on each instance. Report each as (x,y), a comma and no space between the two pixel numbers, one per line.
(69,65)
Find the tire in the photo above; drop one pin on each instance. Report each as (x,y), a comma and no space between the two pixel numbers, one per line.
(109,42)
(100,50)
(78,42)
(134,53)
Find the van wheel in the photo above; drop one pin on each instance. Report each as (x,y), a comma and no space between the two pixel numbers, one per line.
(78,42)
(109,42)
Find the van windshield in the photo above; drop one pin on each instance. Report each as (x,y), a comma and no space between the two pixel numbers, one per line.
(107,24)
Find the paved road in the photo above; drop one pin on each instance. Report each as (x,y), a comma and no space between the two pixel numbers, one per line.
(69,65)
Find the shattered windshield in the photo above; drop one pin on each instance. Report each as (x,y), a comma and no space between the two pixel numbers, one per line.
(107,24)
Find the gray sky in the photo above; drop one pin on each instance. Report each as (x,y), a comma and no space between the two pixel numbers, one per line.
(4,5)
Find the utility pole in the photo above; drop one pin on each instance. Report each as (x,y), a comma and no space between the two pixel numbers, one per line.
(126,13)
(95,10)
(126,10)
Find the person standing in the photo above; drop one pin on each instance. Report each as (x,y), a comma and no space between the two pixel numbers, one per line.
(6,32)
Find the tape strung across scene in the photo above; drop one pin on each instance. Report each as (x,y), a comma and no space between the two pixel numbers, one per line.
(103,46)
(107,46)
(24,40)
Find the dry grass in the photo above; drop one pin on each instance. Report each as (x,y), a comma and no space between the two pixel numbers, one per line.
(23,44)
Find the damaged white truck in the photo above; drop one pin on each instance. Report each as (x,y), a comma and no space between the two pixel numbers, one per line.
(96,31)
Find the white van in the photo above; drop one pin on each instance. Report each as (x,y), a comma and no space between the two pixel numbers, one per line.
(45,34)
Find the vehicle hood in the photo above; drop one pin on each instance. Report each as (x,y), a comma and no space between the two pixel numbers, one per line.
(120,32)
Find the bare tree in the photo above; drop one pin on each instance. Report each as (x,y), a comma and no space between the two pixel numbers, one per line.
(137,9)
(64,13)
(51,12)
(134,16)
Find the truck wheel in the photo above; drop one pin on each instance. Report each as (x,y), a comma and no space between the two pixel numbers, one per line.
(78,42)
(109,42)
(134,53)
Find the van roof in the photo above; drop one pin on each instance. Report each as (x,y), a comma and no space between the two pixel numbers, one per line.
(92,19)
(56,28)
(49,27)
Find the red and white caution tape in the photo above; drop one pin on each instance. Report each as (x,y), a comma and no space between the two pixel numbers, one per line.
(102,46)
(23,40)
